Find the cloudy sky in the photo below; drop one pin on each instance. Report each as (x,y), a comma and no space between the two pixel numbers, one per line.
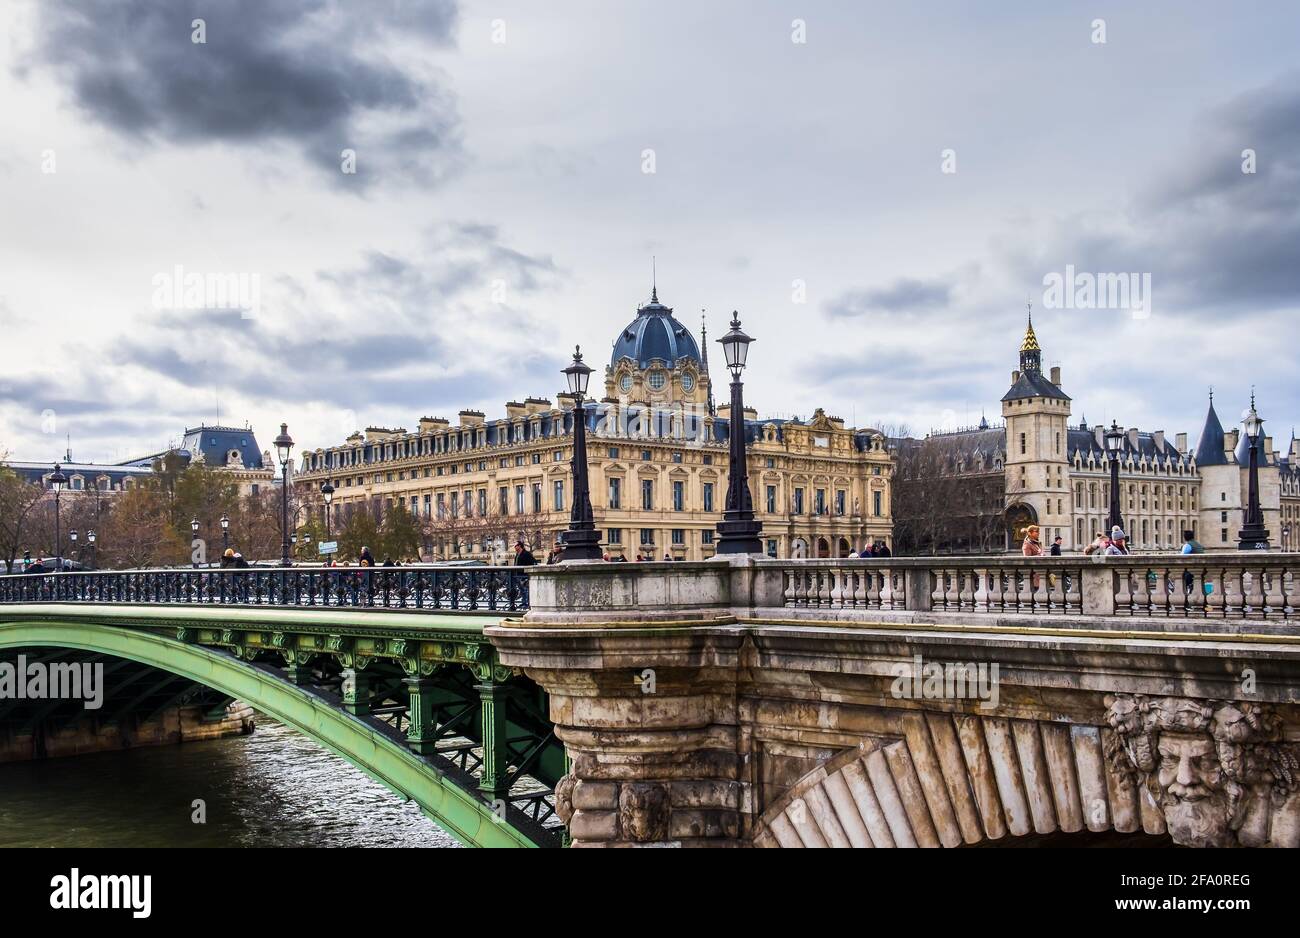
(503,206)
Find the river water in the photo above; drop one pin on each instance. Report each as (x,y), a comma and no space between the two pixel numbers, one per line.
(273,788)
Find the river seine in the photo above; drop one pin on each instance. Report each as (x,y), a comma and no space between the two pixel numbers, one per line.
(273,788)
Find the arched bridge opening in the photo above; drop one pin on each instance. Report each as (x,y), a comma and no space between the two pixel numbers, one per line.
(422,707)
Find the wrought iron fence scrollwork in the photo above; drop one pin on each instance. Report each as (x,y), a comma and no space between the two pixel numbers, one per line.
(434,588)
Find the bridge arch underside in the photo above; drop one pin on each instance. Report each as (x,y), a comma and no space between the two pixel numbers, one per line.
(957,780)
(131,702)
(174,671)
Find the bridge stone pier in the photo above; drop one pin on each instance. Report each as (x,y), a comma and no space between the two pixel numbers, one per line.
(921,702)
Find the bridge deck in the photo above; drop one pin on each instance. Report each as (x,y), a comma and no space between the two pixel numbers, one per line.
(278,617)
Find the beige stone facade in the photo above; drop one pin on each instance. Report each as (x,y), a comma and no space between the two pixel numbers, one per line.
(657,457)
(1057,473)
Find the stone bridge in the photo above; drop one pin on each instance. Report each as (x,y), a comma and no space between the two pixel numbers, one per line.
(902,702)
(921,702)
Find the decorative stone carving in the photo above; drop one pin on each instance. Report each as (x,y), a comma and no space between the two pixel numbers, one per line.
(643,811)
(564,798)
(1218,770)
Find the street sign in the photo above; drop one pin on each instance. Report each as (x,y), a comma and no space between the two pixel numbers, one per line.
(328,547)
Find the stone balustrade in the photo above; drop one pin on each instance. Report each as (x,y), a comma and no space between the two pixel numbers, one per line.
(1242,586)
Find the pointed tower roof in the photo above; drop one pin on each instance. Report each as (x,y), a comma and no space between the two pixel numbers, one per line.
(1030,382)
(1031,340)
(1209,449)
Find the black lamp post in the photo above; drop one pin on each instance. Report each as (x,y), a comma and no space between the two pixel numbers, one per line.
(581,541)
(90,539)
(1253,536)
(738,530)
(327,493)
(306,542)
(225,534)
(283,446)
(194,536)
(72,551)
(58,480)
(1114,446)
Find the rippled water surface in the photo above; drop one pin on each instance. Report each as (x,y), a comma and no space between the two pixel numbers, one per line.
(274,788)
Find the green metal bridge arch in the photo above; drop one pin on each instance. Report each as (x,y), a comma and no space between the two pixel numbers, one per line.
(464,812)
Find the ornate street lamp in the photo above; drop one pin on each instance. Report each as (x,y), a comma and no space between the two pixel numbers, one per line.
(72,536)
(1253,536)
(581,541)
(57,481)
(327,493)
(194,536)
(90,539)
(738,530)
(225,534)
(1114,447)
(283,446)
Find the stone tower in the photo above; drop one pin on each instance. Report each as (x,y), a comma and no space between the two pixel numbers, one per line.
(1037,412)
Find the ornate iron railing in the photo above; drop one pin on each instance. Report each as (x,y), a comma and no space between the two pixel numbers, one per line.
(431,588)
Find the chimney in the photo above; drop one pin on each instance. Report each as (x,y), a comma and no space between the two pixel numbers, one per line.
(515,409)
(1158,437)
(1056,375)
(1180,442)
(1015,376)
(430,424)
(1230,441)
(1268,448)
(537,405)
(1133,437)
(471,418)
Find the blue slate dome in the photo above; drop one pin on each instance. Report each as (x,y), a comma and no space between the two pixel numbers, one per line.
(655,334)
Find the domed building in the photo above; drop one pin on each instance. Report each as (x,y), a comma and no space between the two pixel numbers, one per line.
(657,455)
(656,361)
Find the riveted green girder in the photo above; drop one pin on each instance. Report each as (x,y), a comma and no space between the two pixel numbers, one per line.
(467,817)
